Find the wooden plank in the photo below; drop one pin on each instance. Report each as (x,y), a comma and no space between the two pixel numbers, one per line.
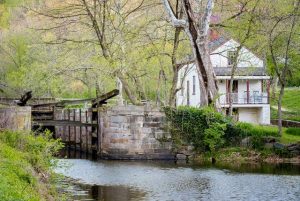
(62,123)
(95,101)
(62,103)
(103,98)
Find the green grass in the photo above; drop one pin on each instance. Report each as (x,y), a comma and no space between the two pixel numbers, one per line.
(290,102)
(23,158)
(288,138)
(290,135)
(247,129)
(293,131)
(17,182)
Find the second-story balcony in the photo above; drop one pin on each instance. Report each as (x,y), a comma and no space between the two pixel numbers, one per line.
(245,98)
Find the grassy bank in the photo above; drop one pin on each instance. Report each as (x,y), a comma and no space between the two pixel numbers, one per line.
(290,135)
(240,155)
(213,134)
(25,164)
(290,105)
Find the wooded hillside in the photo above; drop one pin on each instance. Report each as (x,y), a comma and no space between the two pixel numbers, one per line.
(81,48)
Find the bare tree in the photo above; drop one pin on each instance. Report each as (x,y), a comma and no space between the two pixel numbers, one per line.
(110,25)
(196,26)
(245,37)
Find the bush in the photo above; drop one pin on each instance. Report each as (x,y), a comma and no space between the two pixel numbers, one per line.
(204,128)
(257,133)
(293,131)
(247,129)
(207,129)
(39,148)
(213,136)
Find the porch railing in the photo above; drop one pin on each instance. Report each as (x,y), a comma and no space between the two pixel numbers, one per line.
(245,98)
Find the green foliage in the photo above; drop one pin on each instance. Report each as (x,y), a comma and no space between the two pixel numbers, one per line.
(39,149)
(22,157)
(288,138)
(207,129)
(290,105)
(213,136)
(293,131)
(295,79)
(247,129)
(204,128)
(257,133)
(5,13)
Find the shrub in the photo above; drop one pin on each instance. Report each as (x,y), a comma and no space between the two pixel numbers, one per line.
(293,131)
(247,129)
(204,128)
(39,148)
(213,136)
(207,129)
(257,133)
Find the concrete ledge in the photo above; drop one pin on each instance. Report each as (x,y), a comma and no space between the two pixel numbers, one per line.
(15,118)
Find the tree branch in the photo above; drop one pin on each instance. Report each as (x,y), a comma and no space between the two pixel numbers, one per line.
(206,18)
(176,22)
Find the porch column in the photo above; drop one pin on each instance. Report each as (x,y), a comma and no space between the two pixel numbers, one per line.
(227,82)
(248,91)
(268,90)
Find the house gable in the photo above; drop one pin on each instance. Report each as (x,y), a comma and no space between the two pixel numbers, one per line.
(246,58)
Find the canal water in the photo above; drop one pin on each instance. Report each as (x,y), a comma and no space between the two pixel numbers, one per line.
(165,181)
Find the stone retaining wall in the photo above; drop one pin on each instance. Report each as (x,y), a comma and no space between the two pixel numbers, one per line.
(133,132)
(286,123)
(15,118)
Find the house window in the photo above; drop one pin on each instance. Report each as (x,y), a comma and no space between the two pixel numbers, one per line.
(194,85)
(188,92)
(182,86)
(231,57)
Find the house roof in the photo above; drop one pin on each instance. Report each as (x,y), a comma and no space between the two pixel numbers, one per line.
(216,43)
(249,71)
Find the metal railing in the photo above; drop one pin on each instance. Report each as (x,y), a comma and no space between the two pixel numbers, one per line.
(245,98)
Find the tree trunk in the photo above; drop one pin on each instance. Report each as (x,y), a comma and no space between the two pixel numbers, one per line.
(175,68)
(139,88)
(127,90)
(174,89)
(97,85)
(233,69)
(197,30)
(120,88)
(280,109)
(274,86)
(199,43)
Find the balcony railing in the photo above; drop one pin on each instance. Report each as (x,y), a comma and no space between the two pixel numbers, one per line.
(245,98)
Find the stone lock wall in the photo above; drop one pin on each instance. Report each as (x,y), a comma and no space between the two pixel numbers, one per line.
(134,132)
(15,118)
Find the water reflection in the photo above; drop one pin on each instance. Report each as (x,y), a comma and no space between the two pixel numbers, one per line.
(165,180)
(75,190)
(261,168)
(132,180)
(113,193)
